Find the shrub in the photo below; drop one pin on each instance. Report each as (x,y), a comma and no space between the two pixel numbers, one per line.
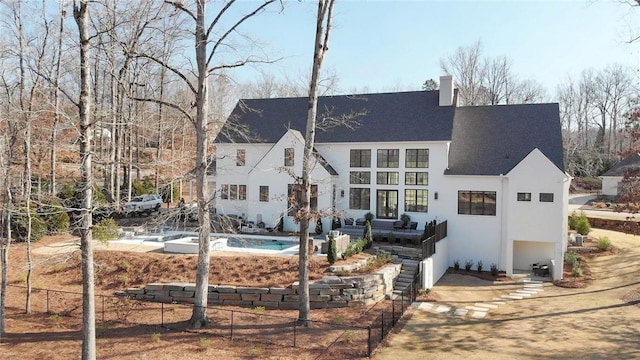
(332,253)
(576,269)
(480,265)
(155,337)
(141,187)
(468,265)
(319,226)
(494,269)
(368,237)
(456,264)
(572,257)
(106,229)
(368,216)
(336,223)
(580,223)
(19,225)
(604,243)
(354,248)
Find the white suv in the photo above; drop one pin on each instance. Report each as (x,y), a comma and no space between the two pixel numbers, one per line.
(143,203)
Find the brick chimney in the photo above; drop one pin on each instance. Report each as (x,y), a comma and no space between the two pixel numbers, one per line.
(446,90)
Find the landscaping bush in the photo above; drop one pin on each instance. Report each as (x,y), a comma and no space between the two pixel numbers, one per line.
(456,264)
(468,265)
(19,225)
(354,248)
(494,269)
(604,243)
(106,229)
(572,257)
(336,223)
(141,187)
(319,226)
(480,266)
(580,223)
(576,269)
(332,254)
(368,237)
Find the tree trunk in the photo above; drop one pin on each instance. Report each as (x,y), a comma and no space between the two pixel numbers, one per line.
(320,45)
(81,16)
(199,316)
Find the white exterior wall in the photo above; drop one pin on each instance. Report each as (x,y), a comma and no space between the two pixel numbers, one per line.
(610,185)
(535,222)
(472,237)
(436,266)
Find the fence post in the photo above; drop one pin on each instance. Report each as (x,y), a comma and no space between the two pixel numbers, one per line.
(369,341)
(231,324)
(295,327)
(382,327)
(48,301)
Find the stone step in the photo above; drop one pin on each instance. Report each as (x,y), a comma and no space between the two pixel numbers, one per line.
(521,293)
(486,305)
(475,308)
(512,297)
(529,281)
(460,312)
(479,314)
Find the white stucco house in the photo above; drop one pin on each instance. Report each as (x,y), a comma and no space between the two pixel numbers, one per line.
(612,178)
(495,173)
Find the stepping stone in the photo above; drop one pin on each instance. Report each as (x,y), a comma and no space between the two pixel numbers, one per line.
(527,281)
(520,294)
(443,309)
(460,312)
(512,297)
(425,306)
(487,305)
(532,292)
(498,302)
(475,308)
(479,314)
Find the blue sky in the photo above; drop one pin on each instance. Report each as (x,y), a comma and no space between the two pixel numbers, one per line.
(386,45)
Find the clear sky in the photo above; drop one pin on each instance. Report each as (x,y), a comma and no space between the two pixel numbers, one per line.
(386,45)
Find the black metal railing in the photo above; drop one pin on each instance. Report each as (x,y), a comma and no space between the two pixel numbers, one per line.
(434,233)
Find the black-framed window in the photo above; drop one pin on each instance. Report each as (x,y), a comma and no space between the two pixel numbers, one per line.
(242,192)
(416,178)
(387,178)
(224,192)
(359,177)
(524,196)
(546,197)
(264,193)
(477,202)
(289,156)
(359,198)
(416,200)
(240,157)
(417,158)
(388,158)
(387,204)
(294,198)
(360,158)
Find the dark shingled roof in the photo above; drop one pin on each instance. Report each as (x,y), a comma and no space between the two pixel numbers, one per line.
(631,162)
(492,140)
(402,116)
(485,140)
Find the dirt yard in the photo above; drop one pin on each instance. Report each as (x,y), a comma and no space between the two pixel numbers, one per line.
(601,321)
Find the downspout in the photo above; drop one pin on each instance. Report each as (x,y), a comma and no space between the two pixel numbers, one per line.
(506,246)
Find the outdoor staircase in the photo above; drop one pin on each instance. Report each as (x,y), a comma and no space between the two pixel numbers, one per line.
(408,272)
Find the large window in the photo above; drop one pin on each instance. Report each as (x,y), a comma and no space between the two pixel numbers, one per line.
(387,178)
(416,178)
(546,197)
(359,177)
(417,158)
(387,204)
(289,156)
(294,198)
(359,198)
(240,157)
(360,158)
(388,158)
(477,202)
(264,193)
(416,200)
(233,192)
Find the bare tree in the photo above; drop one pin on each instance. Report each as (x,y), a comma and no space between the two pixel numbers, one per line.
(321,46)
(465,64)
(81,16)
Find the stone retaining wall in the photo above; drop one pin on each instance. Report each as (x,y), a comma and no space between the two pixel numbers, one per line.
(330,292)
(607,224)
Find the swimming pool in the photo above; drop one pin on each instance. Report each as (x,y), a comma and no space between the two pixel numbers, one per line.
(260,244)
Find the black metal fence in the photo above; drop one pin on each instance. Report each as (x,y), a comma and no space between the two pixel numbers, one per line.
(255,325)
(435,232)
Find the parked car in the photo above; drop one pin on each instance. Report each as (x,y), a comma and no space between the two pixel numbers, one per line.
(143,204)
